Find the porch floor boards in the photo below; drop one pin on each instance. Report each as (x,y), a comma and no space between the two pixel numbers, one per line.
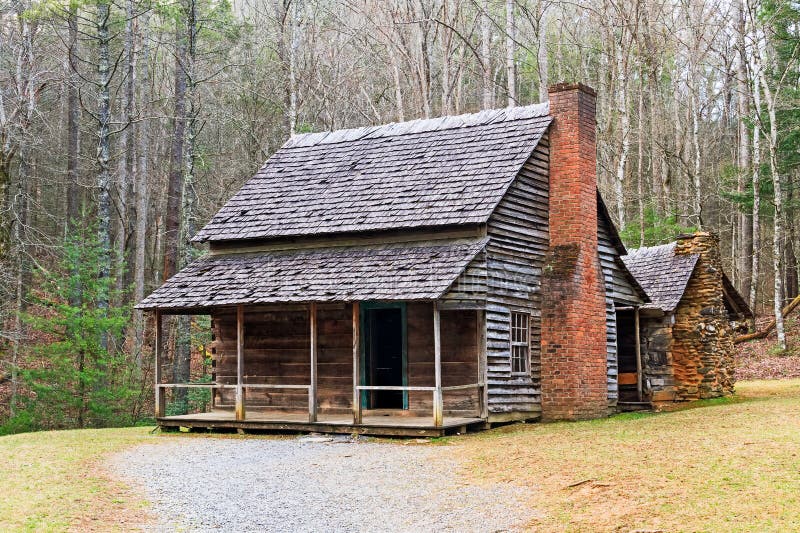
(383,425)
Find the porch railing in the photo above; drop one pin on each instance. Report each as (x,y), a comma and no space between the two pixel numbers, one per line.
(240,412)
(438,402)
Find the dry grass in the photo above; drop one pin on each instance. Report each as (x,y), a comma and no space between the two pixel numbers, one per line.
(733,465)
(54,481)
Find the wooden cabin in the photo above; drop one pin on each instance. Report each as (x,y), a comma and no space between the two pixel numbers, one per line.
(687,330)
(412,279)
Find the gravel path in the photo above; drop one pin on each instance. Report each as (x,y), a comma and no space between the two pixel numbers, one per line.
(207,484)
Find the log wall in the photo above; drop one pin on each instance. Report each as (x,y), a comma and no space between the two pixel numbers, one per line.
(277,351)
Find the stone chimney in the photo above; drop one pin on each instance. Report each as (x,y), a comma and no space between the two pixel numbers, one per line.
(573,357)
(702,349)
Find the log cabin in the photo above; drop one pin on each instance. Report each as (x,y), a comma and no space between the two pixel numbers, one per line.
(414,278)
(687,329)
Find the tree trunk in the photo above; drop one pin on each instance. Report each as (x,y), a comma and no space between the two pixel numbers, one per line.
(697,198)
(141,194)
(640,167)
(176,162)
(183,348)
(621,64)
(20,217)
(777,187)
(425,64)
(541,57)
(790,259)
(486,58)
(73,123)
(756,184)
(175,190)
(104,150)
(294,20)
(446,60)
(511,53)
(398,87)
(657,162)
(745,251)
(127,142)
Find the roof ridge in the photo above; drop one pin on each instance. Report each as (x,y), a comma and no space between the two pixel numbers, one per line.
(421,125)
(647,249)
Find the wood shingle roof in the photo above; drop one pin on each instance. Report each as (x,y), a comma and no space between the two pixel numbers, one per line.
(662,274)
(403,271)
(422,173)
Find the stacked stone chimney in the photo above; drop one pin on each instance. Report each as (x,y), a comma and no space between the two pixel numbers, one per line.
(573,357)
(702,349)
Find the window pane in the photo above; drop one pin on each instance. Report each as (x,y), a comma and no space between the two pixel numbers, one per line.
(520,343)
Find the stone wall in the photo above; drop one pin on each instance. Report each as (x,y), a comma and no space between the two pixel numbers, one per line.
(702,347)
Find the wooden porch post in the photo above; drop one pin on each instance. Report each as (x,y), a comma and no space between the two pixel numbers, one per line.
(312,389)
(240,392)
(356,364)
(438,407)
(638,354)
(483,392)
(160,399)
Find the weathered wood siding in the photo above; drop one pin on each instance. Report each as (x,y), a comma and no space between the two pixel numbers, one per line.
(459,358)
(277,351)
(619,292)
(656,347)
(277,345)
(469,290)
(518,240)
(618,284)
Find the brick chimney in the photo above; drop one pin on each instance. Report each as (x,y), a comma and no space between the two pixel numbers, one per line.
(574,370)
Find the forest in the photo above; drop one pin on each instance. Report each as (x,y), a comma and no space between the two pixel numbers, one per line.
(125,124)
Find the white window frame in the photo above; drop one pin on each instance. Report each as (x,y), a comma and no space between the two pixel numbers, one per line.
(519,337)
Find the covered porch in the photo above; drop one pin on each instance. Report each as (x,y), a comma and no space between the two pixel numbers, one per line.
(365,337)
(401,368)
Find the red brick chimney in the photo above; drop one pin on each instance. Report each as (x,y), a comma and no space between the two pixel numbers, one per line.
(574,381)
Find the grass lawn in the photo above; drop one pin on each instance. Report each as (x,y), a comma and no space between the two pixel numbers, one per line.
(721,465)
(731,464)
(54,481)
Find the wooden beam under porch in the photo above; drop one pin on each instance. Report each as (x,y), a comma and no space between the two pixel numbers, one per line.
(377,425)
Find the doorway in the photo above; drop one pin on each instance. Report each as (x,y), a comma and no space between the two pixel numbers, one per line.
(384,355)
(628,367)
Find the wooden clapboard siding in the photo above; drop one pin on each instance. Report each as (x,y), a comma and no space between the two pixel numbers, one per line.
(620,291)
(469,289)
(612,365)
(617,279)
(277,351)
(518,240)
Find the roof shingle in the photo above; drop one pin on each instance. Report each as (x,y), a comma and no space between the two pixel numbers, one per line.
(422,173)
(662,274)
(407,271)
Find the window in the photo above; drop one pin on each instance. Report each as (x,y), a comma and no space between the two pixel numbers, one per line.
(520,343)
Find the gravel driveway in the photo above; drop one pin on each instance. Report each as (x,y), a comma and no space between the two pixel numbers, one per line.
(307,485)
